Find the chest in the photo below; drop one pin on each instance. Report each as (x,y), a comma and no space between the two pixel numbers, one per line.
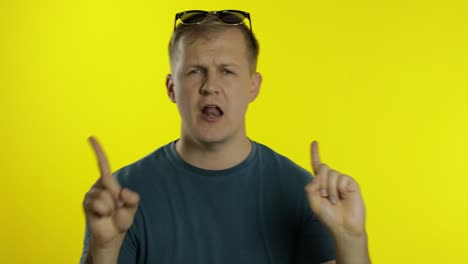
(214,221)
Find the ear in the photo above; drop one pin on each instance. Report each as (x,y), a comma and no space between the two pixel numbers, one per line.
(256,81)
(170,87)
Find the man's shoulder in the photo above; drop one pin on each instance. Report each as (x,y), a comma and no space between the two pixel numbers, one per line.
(147,165)
(277,163)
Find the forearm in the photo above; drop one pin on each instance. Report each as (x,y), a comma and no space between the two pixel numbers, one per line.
(352,250)
(103,256)
(101,259)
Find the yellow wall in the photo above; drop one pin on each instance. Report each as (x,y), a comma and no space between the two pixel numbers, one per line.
(381,84)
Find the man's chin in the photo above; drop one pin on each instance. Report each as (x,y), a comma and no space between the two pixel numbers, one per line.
(212,139)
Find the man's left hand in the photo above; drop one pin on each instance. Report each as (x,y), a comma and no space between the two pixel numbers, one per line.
(336,200)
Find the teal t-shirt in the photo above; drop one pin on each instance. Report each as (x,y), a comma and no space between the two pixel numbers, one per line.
(255,212)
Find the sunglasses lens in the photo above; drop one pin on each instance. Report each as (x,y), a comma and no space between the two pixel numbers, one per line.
(193,17)
(231,17)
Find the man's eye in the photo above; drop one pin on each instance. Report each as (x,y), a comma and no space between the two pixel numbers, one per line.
(195,71)
(226,71)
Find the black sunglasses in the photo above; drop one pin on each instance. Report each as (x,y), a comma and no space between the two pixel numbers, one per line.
(230,17)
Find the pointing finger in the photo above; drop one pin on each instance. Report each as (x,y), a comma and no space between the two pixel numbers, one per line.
(102,159)
(106,176)
(314,152)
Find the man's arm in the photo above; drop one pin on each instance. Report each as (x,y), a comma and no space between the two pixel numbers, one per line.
(102,256)
(336,200)
(352,250)
(109,211)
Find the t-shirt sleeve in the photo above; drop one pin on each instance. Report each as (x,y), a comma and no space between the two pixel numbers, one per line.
(84,253)
(128,251)
(315,244)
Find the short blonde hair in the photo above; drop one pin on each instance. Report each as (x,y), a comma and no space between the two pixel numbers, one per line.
(209,26)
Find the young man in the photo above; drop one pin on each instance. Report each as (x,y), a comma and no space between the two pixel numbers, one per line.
(214,196)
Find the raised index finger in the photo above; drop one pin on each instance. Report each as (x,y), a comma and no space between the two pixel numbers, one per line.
(106,175)
(314,152)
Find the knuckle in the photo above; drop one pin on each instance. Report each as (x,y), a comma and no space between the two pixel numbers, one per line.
(88,194)
(86,203)
(323,192)
(102,195)
(335,173)
(88,198)
(356,185)
(346,176)
(342,185)
(99,207)
(93,207)
(93,192)
(106,198)
(332,191)
(323,166)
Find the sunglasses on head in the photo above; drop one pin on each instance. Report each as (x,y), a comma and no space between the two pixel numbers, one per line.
(230,17)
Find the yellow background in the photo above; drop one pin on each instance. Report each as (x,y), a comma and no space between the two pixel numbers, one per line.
(381,84)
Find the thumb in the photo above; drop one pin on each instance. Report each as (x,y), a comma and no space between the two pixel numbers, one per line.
(129,198)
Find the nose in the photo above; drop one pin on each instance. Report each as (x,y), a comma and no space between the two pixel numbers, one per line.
(211,85)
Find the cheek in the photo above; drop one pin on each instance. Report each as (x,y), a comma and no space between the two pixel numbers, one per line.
(240,104)
(186,102)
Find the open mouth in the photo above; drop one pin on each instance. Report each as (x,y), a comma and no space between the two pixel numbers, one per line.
(212,111)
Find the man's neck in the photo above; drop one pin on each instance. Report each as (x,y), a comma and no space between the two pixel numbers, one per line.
(214,156)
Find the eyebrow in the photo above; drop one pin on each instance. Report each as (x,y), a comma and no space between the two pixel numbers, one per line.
(195,66)
(221,65)
(230,65)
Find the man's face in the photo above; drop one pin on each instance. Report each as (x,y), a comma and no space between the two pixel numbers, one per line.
(212,85)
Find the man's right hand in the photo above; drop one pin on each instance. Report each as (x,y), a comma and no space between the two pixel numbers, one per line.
(109,209)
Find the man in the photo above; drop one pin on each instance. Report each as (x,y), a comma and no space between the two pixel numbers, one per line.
(215,196)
